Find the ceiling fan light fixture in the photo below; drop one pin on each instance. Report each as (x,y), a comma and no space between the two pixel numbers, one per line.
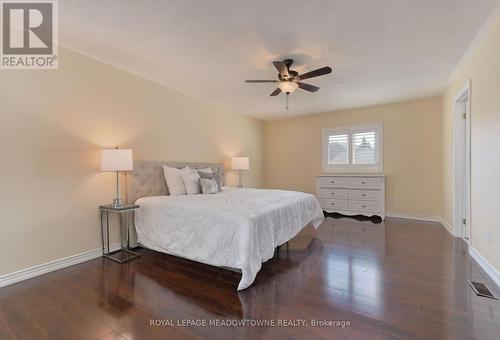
(288,86)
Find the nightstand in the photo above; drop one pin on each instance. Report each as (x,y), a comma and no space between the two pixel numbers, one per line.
(125,211)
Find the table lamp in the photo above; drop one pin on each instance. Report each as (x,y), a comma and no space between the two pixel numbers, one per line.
(117,160)
(240,163)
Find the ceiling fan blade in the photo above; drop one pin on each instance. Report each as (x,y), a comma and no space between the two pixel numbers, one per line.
(308,87)
(261,81)
(316,73)
(281,67)
(276,92)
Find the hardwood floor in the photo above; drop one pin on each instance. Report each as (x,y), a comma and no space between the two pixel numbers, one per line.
(398,279)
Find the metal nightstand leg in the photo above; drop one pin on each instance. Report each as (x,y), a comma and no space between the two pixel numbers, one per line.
(124,254)
(107,232)
(102,232)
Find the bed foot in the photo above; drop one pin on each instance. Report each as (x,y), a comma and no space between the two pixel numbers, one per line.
(277,250)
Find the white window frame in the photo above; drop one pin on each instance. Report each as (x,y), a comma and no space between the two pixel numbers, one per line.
(378,167)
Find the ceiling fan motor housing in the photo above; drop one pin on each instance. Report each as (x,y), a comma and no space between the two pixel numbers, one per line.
(291,73)
(288,62)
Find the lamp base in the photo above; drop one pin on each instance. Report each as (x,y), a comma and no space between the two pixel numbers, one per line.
(117,202)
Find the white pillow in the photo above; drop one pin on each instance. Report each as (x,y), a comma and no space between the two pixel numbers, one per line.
(174,180)
(191,180)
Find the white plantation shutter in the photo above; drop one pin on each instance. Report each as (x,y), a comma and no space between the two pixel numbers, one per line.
(338,149)
(353,148)
(363,148)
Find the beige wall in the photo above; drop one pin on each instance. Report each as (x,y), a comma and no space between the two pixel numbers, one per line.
(482,67)
(412,152)
(53,126)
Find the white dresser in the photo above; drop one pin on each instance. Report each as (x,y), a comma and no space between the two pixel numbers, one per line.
(352,194)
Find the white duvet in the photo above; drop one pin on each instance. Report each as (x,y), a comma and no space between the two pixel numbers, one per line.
(237,228)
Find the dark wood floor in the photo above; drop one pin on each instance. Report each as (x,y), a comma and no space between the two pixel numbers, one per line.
(398,279)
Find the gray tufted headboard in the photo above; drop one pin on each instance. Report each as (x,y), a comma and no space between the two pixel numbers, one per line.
(147,177)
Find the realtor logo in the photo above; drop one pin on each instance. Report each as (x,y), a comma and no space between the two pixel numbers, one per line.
(29,35)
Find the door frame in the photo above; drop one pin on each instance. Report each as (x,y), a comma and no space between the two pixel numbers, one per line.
(462,159)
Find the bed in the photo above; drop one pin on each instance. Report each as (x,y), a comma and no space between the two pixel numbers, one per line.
(235,228)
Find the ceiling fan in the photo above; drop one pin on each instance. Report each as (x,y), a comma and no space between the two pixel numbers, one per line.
(289,80)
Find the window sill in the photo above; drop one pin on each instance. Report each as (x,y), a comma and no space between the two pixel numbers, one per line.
(354,170)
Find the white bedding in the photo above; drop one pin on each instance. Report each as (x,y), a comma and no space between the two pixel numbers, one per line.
(237,228)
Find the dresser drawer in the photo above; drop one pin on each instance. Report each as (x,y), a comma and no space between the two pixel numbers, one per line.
(330,204)
(333,193)
(332,182)
(365,182)
(364,206)
(365,195)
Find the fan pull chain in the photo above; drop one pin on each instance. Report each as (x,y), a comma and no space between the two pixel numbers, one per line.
(287,101)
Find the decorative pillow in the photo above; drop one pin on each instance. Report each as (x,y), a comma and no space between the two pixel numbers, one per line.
(206,174)
(174,180)
(207,169)
(209,186)
(191,180)
(219,177)
(209,173)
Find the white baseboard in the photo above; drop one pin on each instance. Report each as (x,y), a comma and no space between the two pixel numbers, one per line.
(426,218)
(485,265)
(51,266)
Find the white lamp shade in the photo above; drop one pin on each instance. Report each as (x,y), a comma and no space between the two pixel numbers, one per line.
(240,163)
(117,160)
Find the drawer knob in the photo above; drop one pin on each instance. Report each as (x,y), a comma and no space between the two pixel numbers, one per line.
(333,193)
(363,206)
(363,182)
(332,203)
(332,182)
(363,195)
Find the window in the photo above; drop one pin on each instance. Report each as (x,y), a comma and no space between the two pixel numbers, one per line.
(355,148)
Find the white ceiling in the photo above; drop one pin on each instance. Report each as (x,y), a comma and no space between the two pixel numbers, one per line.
(380,50)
